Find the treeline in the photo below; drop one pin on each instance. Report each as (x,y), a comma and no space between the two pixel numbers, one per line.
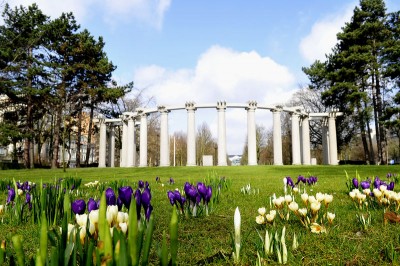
(53,73)
(361,77)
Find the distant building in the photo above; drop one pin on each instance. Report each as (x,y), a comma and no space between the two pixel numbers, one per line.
(235,159)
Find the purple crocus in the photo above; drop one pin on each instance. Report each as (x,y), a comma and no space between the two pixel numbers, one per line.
(208,195)
(78,206)
(300,178)
(141,184)
(11,195)
(377,182)
(355,182)
(138,199)
(147,212)
(119,204)
(171,197)
(191,192)
(202,189)
(145,198)
(125,195)
(28,200)
(92,205)
(289,181)
(391,186)
(171,181)
(110,197)
(175,197)
(365,184)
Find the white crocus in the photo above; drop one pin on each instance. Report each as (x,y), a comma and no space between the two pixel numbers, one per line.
(236,223)
(121,217)
(260,219)
(303,212)
(330,217)
(82,235)
(1,209)
(20,192)
(124,227)
(320,196)
(293,206)
(288,199)
(312,199)
(262,211)
(94,216)
(270,217)
(81,219)
(70,229)
(315,206)
(92,228)
(304,198)
(377,193)
(112,213)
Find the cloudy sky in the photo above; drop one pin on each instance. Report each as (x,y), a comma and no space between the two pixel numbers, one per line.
(207,51)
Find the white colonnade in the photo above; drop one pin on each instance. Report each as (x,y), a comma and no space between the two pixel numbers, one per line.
(299,125)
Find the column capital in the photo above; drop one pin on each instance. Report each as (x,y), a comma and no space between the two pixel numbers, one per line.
(221,105)
(141,112)
(127,116)
(333,113)
(163,109)
(251,105)
(277,109)
(190,106)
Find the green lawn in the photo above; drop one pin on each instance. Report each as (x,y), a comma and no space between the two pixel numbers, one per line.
(207,240)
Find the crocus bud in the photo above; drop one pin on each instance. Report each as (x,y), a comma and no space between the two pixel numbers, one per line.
(125,194)
(262,211)
(78,206)
(355,182)
(110,197)
(94,216)
(92,205)
(81,219)
(236,222)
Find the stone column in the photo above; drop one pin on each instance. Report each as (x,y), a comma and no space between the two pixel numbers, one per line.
(111,152)
(143,139)
(131,150)
(164,137)
(332,138)
(325,145)
(251,133)
(277,135)
(221,107)
(191,134)
(103,142)
(124,148)
(295,139)
(305,138)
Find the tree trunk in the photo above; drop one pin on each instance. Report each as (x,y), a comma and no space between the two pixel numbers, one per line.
(89,137)
(28,131)
(78,137)
(57,129)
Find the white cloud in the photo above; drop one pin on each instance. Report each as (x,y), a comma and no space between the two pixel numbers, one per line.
(55,8)
(149,12)
(220,74)
(322,37)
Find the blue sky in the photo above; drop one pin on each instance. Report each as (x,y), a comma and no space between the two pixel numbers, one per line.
(207,51)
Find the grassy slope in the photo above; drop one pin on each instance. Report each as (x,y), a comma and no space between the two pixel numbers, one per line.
(209,237)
